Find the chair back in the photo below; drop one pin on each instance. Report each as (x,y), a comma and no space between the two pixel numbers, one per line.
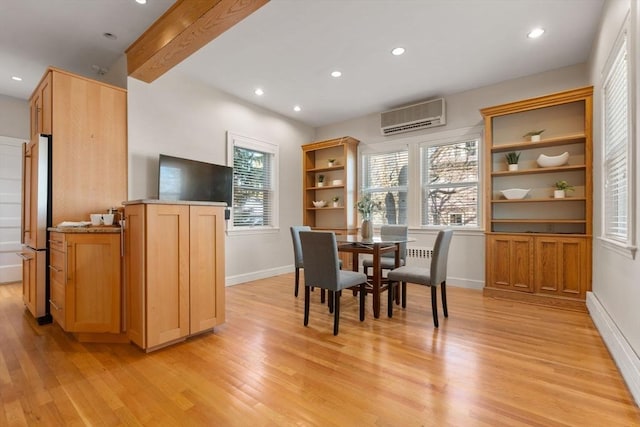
(321,266)
(297,248)
(440,254)
(397,231)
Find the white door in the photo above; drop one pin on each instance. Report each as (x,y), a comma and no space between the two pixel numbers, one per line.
(10,208)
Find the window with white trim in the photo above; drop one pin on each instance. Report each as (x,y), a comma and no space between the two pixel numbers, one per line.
(616,145)
(450,184)
(385,180)
(255,165)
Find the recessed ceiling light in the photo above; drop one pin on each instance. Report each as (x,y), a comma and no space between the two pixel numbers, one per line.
(141,1)
(397,51)
(16,78)
(258,92)
(336,73)
(535,33)
(297,108)
(110,36)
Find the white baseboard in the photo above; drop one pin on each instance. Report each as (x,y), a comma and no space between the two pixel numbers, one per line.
(627,360)
(457,282)
(256,275)
(10,273)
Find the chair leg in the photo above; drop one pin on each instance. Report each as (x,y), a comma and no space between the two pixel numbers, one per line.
(295,292)
(331,301)
(444,298)
(390,299)
(397,294)
(322,296)
(336,313)
(363,292)
(404,294)
(434,305)
(307,297)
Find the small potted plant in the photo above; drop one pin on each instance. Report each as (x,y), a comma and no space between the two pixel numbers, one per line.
(331,162)
(335,200)
(512,160)
(320,180)
(534,134)
(561,187)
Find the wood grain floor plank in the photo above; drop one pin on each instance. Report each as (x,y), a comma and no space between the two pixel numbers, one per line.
(491,363)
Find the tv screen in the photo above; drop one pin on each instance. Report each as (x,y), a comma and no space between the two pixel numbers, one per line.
(184,179)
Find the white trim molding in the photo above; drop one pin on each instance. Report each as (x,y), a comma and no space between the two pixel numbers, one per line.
(626,359)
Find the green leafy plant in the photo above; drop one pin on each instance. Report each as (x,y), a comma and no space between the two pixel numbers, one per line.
(331,160)
(533,132)
(320,178)
(512,157)
(366,206)
(563,185)
(335,198)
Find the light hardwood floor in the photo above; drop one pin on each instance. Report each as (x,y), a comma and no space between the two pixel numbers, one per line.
(491,363)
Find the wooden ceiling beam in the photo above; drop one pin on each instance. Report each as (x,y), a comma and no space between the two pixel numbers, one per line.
(183,29)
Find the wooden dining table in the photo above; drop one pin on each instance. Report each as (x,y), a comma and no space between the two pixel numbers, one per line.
(375,246)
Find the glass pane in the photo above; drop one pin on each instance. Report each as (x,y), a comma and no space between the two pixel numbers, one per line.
(449,206)
(453,163)
(252,204)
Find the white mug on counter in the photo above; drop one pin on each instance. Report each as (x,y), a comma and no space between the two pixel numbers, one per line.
(107,219)
(96,219)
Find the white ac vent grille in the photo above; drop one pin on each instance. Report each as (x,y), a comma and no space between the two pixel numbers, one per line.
(419,256)
(413,117)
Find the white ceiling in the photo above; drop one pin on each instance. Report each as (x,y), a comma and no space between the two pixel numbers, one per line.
(289,47)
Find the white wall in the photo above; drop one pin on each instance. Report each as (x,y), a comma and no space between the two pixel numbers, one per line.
(466,256)
(14,117)
(177,116)
(616,277)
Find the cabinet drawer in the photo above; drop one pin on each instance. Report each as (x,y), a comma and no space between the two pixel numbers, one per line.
(57,266)
(56,241)
(57,302)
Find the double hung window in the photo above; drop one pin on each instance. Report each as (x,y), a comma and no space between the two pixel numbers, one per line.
(385,180)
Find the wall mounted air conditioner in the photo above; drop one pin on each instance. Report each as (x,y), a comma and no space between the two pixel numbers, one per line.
(413,117)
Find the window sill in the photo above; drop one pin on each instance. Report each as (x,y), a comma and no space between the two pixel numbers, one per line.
(620,248)
(246,231)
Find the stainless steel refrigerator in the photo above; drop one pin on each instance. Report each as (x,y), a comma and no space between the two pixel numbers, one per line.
(36,218)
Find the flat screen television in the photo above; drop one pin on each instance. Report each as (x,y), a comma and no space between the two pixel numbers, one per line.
(184,179)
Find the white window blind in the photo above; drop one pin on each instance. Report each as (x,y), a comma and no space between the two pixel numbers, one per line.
(616,147)
(254,182)
(450,184)
(385,180)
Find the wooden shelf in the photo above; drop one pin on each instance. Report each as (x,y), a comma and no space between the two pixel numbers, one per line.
(538,170)
(550,199)
(326,208)
(550,142)
(324,187)
(325,169)
(538,221)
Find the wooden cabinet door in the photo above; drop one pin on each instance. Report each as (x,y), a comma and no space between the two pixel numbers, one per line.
(26,195)
(206,265)
(93,283)
(167,273)
(510,262)
(40,106)
(561,266)
(33,281)
(135,274)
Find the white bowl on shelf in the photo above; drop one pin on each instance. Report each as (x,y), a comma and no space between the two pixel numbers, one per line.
(515,193)
(552,161)
(320,204)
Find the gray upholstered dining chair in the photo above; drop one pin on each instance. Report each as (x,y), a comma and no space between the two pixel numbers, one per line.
(432,277)
(322,270)
(388,259)
(297,252)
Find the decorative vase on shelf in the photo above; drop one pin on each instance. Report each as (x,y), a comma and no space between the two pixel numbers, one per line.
(513,167)
(535,138)
(558,194)
(366,229)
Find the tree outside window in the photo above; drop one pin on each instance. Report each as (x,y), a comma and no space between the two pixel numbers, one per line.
(385,181)
(450,184)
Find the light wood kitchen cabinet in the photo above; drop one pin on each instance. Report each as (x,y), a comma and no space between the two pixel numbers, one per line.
(174,256)
(88,123)
(85,278)
(33,281)
(338,180)
(554,234)
(40,106)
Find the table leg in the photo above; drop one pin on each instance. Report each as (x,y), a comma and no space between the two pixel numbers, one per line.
(376,281)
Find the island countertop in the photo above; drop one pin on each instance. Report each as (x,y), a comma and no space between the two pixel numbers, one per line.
(173,202)
(105,229)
